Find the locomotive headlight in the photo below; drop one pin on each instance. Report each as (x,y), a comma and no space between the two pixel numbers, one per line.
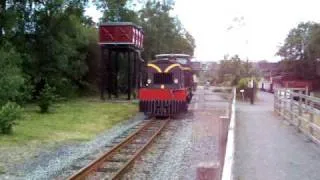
(149,81)
(176,81)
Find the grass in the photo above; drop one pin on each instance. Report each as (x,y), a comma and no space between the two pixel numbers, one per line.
(75,120)
(2,171)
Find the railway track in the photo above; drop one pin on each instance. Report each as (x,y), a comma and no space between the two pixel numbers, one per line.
(113,163)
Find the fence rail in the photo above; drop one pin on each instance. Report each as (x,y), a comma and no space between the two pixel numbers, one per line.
(300,110)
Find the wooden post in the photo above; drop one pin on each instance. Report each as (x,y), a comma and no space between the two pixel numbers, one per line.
(275,102)
(134,84)
(291,107)
(129,75)
(306,101)
(109,73)
(312,112)
(285,110)
(139,73)
(300,110)
(116,74)
(102,73)
(279,102)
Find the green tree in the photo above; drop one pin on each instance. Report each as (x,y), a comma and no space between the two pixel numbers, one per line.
(302,45)
(233,69)
(163,33)
(298,41)
(11,78)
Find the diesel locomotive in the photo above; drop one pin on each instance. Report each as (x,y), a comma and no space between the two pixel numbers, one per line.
(170,82)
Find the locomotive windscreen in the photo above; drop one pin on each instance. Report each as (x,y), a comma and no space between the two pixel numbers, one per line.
(163,78)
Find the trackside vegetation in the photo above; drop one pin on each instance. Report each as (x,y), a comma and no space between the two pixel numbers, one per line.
(73,120)
(49,51)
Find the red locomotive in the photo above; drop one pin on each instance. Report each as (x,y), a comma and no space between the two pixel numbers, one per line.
(169,86)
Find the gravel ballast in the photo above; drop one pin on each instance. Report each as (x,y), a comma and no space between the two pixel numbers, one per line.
(187,141)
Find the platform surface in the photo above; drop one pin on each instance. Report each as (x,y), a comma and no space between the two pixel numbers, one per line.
(268,148)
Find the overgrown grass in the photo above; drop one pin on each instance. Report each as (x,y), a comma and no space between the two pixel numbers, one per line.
(2,171)
(75,120)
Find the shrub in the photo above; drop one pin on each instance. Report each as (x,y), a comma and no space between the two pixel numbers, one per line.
(9,114)
(11,77)
(46,98)
(243,84)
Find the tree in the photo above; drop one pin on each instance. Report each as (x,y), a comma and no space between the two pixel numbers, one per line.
(163,33)
(298,41)
(303,45)
(233,69)
(11,78)
(54,43)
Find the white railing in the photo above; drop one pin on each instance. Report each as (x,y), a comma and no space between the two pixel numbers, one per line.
(227,171)
(300,110)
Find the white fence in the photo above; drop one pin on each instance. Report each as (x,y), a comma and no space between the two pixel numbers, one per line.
(300,110)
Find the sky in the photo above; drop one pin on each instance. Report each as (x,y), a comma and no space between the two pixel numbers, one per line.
(253,29)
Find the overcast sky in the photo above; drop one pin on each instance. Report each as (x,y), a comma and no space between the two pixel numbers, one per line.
(251,28)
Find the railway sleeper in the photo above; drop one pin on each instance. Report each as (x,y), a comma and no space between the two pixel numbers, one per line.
(108,169)
(117,141)
(91,158)
(118,159)
(139,141)
(134,147)
(81,164)
(126,153)
(148,130)
(109,146)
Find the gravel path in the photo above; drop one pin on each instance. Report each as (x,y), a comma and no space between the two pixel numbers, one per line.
(50,163)
(268,148)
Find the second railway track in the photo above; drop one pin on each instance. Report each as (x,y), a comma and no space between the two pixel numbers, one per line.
(114,163)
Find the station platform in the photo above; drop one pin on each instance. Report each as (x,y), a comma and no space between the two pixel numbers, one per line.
(267,147)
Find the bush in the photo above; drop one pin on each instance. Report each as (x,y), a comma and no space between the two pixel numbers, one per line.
(243,84)
(46,98)
(11,77)
(9,114)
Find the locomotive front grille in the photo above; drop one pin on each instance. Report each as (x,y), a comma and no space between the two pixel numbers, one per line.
(163,78)
(162,108)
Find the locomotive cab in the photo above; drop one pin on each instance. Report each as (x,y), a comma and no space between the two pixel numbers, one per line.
(165,74)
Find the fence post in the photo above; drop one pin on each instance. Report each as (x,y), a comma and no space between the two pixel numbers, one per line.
(285,104)
(281,111)
(291,107)
(300,111)
(312,112)
(275,102)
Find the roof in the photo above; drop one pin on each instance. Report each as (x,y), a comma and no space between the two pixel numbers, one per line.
(172,55)
(120,24)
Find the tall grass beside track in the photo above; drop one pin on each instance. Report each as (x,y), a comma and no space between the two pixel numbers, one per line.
(75,120)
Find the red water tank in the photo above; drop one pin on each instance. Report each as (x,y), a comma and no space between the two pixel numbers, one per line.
(121,33)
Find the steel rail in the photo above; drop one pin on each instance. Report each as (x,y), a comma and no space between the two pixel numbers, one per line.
(93,167)
(119,173)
